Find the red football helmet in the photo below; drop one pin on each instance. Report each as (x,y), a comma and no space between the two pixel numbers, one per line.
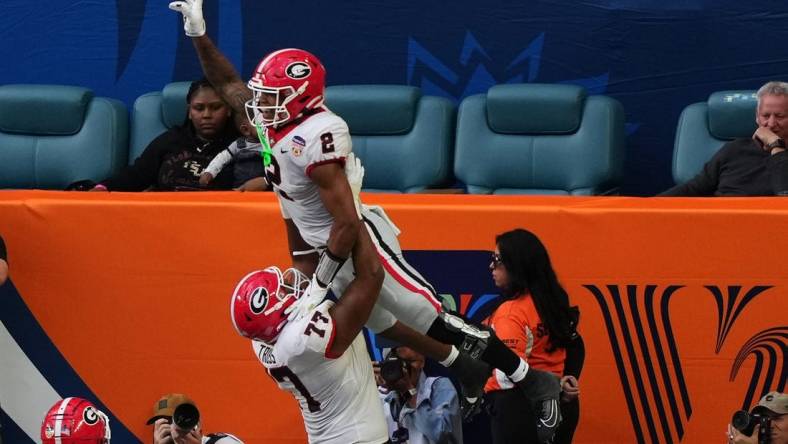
(260,300)
(285,84)
(75,421)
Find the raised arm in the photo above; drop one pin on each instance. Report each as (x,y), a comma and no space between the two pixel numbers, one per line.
(356,303)
(337,197)
(222,75)
(340,200)
(216,67)
(349,235)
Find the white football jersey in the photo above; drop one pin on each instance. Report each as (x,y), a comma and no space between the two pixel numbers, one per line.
(322,138)
(338,397)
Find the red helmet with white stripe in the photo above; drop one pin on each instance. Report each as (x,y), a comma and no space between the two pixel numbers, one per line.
(259,301)
(284,85)
(75,421)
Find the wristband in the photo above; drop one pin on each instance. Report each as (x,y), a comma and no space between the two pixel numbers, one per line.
(327,267)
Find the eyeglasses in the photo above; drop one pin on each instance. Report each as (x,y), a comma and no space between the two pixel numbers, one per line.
(496,260)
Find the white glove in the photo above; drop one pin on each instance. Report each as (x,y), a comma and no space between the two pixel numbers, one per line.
(193,22)
(312,297)
(355,177)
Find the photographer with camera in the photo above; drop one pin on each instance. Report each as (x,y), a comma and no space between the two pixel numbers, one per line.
(767,423)
(418,408)
(176,420)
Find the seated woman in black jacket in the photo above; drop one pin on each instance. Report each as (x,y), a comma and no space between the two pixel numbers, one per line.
(175,159)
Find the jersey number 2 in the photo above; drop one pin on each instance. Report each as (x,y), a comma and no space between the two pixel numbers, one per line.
(327,139)
(283,374)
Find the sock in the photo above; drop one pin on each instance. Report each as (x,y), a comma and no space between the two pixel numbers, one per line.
(452,356)
(519,374)
(498,355)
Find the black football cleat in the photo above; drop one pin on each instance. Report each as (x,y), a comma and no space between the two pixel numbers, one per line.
(472,374)
(543,389)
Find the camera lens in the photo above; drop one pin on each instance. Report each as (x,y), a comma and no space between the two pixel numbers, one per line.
(743,422)
(186,416)
(391,370)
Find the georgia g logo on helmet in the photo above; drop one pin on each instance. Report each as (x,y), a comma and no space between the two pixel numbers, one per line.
(90,416)
(259,300)
(298,70)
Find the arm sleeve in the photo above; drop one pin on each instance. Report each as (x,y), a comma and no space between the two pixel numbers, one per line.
(777,168)
(436,419)
(704,183)
(575,357)
(143,173)
(3,252)
(219,162)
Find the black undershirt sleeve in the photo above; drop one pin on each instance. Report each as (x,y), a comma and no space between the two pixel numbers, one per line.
(575,357)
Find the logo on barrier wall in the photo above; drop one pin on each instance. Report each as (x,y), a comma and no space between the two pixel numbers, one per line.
(729,307)
(638,325)
(464,286)
(769,348)
(641,336)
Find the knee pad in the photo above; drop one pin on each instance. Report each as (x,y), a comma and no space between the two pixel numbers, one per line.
(474,339)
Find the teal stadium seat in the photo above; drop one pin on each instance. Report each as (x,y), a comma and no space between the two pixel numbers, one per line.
(705,126)
(539,139)
(155,113)
(403,139)
(53,135)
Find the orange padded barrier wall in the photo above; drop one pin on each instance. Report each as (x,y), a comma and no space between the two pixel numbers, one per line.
(683,301)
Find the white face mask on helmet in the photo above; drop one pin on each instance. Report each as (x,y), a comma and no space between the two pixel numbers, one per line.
(260,299)
(285,84)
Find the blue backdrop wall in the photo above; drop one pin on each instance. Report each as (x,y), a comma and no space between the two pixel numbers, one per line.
(655,56)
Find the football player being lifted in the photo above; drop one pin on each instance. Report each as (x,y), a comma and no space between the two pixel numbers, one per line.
(307,149)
